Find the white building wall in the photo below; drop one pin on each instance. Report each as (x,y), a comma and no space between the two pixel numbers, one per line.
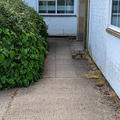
(31,3)
(104,47)
(59,25)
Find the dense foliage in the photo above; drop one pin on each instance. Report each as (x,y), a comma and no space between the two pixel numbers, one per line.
(23,45)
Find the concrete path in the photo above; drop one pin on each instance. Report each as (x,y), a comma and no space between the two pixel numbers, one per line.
(61,95)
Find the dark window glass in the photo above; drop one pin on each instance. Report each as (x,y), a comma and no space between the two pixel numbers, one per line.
(115,20)
(43,7)
(47,6)
(51,6)
(69,6)
(65,6)
(61,6)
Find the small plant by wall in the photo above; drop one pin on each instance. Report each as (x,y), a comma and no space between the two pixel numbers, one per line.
(23,45)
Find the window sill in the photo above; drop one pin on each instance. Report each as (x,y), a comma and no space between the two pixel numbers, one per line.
(113,32)
(59,15)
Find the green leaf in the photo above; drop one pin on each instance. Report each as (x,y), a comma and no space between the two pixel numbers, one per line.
(26,83)
(1,86)
(6,31)
(12,54)
(0,30)
(11,82)
(2,58)
(3,80)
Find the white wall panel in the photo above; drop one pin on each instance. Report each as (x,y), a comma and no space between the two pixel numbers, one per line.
(104,47)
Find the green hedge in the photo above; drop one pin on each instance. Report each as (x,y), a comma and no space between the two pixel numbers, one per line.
(23,45)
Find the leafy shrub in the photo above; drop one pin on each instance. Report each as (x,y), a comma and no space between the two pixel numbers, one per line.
(23,45)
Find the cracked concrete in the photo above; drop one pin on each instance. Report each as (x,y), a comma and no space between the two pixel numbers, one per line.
(61,95)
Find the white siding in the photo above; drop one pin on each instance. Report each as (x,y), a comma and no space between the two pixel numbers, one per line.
(104,47)
(62,26)
(31,3)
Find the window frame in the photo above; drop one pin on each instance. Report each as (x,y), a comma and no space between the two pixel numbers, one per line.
(56,14)
(110,26)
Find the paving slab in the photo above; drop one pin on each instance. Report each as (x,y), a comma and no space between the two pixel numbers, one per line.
(50,70)
(5,101)
(63,71)
(64,61)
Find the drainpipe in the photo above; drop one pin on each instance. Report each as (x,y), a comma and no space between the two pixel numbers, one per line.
(83,22)
(87,23)
(78,17)
(80,29)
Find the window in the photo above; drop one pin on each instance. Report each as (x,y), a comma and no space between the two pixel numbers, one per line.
(56,7)
(115,17)
(114,24)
